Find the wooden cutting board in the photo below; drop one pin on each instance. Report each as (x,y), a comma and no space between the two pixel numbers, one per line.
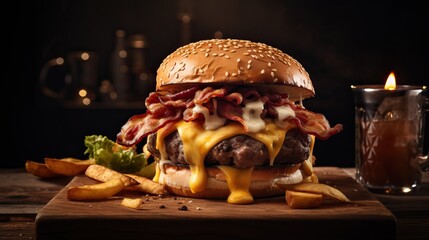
(160,218)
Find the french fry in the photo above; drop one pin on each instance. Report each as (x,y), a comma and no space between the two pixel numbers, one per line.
(313,178)
(312,187)
(303,200)
(146,185)
(96,191)
(68,166)
(133,203)
(39,170)
(307,167)
(104,174)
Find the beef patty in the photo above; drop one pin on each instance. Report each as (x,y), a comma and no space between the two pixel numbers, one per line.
(240,151)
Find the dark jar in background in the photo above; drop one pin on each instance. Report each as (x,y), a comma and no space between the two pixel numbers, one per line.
(119,67)
(142,80)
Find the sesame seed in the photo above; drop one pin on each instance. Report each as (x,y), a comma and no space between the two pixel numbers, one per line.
(233,50)
(221,54)
(206,54)
(275,79)
(234,74)
(269,64)
(272,74)
(226,74)
(262,71)
(250,61)
(238,60)
(227,57)
(246,54)
(274,69)
(249,66)
(172,67)
(177,75)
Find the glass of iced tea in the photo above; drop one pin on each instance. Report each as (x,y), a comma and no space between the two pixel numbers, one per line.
(389,131)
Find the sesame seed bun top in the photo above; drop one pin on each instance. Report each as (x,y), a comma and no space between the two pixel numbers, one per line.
(234,61)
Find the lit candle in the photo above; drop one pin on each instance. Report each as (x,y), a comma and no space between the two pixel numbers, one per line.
(388,135)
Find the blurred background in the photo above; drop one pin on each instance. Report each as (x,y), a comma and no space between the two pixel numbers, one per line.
(113,49)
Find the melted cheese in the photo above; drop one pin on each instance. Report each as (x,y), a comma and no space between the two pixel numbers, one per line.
(252,116)
(284,112)
(238,183)
(212,121)
(307,165)
(160,145)
(197,142)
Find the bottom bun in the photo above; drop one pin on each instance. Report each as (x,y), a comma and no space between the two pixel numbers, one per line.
(176,180)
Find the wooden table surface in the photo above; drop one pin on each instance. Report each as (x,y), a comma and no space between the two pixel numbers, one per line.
(23,195)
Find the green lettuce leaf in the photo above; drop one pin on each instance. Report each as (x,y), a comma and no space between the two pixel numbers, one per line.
(114,156)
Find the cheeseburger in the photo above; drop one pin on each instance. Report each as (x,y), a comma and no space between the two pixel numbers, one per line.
(227,121)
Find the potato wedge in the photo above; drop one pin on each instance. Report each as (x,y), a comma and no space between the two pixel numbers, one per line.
(303,200)
(146,185)
(96,191)
(39,170)
(104,174)
(319,188)
(133,203)
(68,166)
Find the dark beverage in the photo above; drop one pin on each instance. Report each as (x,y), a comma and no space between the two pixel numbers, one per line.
(388,151)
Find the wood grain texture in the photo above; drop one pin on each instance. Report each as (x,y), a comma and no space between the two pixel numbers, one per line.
(161,218)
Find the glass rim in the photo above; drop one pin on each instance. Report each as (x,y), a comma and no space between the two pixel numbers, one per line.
(375,87)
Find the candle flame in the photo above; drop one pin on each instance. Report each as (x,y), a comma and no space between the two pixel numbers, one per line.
(390,82)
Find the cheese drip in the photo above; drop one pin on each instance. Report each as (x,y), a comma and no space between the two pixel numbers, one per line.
(197,142)
(238,183)
(160,145)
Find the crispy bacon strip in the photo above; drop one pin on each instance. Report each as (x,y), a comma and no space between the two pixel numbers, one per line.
(164,108)
(315,124)
(139,126)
